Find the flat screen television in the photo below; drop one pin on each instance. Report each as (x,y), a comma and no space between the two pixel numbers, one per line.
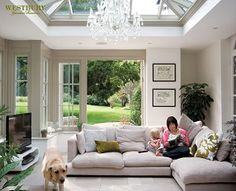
(18,130)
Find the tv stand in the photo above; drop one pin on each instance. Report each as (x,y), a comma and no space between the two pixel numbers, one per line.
(23,150)
(27,158)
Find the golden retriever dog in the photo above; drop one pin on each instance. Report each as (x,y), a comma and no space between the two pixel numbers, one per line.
(54,169)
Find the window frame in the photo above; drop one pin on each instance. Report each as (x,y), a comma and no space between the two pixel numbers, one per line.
(15,82)
(71,83)
(45,92)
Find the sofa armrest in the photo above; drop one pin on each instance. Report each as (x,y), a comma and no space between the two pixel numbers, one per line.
(72,149)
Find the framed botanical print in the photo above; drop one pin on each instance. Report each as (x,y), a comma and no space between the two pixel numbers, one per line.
(163,97)
(163,72)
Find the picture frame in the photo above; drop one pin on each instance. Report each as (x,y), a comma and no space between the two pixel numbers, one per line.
(163,72)
(163,97)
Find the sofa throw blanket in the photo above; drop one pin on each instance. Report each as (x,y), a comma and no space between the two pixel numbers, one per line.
(131,139)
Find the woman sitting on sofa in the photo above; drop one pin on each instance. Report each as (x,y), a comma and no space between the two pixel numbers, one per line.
(175,140)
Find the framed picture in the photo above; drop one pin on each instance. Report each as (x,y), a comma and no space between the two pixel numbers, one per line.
(163,97)
(163,72)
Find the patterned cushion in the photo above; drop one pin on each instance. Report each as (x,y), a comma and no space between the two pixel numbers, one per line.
(208,147)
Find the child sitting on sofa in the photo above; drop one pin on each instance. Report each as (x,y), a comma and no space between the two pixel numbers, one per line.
(155,145)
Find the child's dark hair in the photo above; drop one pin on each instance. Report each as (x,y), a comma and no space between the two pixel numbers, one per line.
(170,120)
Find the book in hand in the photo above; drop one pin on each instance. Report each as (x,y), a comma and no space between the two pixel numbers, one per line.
(174,142)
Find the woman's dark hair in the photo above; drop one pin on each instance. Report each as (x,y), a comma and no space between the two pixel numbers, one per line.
(170,120)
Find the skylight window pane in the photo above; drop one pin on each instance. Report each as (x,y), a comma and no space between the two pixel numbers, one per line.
(64,10)
(145,7)
(166,10)
(83,6)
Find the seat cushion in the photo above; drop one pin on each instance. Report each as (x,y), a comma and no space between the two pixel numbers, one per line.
(98,160)
(146,159)
(199,170)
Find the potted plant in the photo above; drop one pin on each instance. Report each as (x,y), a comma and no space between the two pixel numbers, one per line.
(195,100)
(44,132)
(8,152)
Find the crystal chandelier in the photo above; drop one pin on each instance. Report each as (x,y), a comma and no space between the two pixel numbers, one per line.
(111,21)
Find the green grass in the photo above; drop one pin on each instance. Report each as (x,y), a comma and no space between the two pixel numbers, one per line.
(95,114)
(101,114)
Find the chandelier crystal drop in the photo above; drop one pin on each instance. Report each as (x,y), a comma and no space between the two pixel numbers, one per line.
(113,21)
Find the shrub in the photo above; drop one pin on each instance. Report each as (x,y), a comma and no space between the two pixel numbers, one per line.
(136,107)
(66,97)
(21,99)
(114,100)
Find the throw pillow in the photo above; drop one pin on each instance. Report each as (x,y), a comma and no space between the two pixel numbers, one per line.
(192,150)
(208,147)
(201,135)
(91,136)
(81,142)
(191,127)
(131,139)
(223,151)
(107,146)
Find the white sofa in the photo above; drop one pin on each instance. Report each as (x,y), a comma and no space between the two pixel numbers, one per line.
(191,173)
(130,163)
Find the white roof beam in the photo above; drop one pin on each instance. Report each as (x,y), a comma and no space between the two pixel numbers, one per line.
(183,3)
(55,7)
(160,9)
(175,8)
(70,7)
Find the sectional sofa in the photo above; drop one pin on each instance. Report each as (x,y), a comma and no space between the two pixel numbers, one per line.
(192,173)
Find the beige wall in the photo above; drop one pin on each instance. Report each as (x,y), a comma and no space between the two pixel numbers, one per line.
(188,67)
(209,71)
(158,115)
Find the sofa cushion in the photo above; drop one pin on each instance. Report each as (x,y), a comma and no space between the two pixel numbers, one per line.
(107,146)
(145,159)
(91,136)
(80,142)
(131,139)
(192,128)
(223,151)
(198,170)
(98,160)
(201,135)
(208,147)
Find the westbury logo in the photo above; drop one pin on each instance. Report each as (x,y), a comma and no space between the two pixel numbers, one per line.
(25,9)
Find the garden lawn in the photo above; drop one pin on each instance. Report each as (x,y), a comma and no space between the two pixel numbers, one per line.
(101,114)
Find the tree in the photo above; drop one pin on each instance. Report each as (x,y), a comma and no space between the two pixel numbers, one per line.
(136,107)
(106,77)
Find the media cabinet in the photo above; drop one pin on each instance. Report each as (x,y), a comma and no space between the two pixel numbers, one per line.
(27,159)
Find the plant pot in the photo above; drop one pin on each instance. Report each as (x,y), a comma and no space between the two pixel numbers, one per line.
(44,133)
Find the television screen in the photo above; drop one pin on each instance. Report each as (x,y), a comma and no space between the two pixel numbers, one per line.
(18,130)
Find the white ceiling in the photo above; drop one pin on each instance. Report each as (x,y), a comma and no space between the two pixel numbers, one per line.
(197,33)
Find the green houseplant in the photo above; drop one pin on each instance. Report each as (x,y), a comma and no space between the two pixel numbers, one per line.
(7,164)
(195,100)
